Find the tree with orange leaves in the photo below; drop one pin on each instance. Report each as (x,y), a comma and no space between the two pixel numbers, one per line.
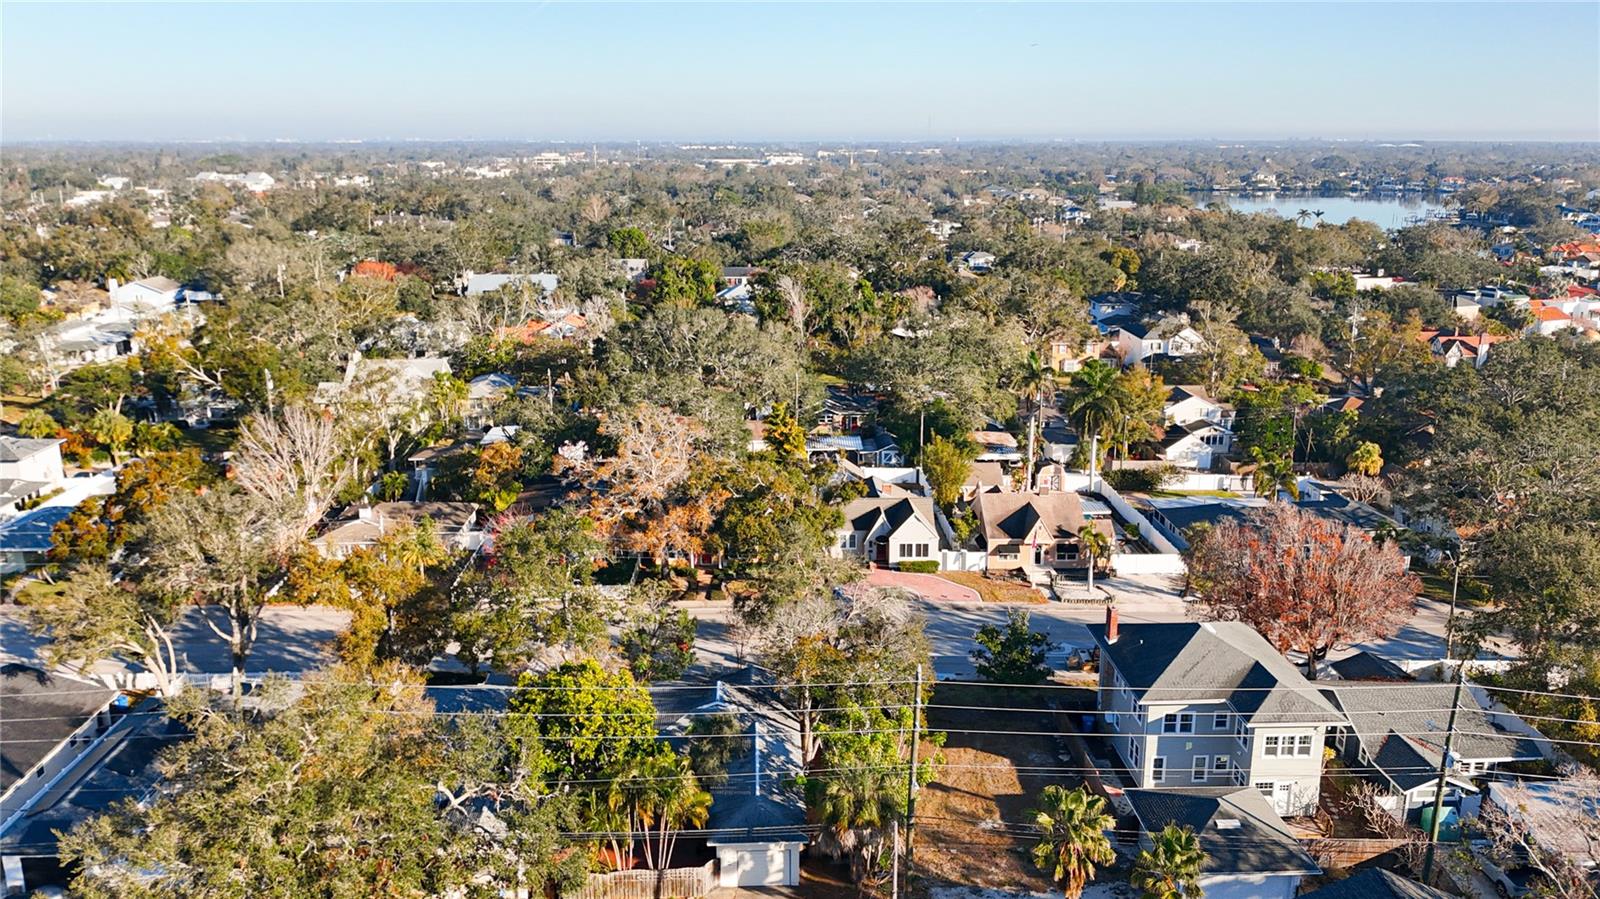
(1305,582)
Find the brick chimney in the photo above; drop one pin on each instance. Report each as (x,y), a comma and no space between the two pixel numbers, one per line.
(1111,624)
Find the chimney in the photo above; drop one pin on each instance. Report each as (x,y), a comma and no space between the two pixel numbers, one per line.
(1111,624)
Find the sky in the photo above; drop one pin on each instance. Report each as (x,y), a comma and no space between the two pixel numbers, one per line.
(840,71)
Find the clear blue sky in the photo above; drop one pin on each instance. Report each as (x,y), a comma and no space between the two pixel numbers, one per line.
(801,71)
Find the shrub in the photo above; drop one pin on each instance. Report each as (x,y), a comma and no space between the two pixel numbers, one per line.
(921,567)
(1137,480)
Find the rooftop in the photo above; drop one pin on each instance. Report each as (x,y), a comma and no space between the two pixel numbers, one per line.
(1238,830)
(53,706)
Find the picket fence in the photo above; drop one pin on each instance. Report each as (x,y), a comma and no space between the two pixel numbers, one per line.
(673,883)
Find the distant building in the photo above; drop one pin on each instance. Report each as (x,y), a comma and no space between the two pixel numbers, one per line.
(470,284)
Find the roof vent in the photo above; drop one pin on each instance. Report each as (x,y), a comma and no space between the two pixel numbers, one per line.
(1227,823)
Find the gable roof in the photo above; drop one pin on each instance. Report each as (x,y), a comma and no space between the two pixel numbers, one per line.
(865,513)
(1215,661)
(1365,666)
(1376,883)
(16,449)
(1003,517)
(1259,843)
(53,707)
(1419,712)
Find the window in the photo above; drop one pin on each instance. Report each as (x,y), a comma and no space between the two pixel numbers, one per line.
(849,541)
(1158,770)
(1067,552)
(1221,765)
(913,550)
(1202,769)
(1178,723)
(1133,752)
(1219,722)
(1264,787)
(1270,746)
(1302,746)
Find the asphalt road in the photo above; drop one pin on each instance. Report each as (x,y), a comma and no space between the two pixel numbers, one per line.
(289,639)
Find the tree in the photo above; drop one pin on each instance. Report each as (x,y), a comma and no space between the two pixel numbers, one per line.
(785,435)
(112,430)
(659,642)
(685,282)
(1273,474)
(93,617)
(660,797)
(1094,404)
(1366,459)
(548,565)
(36,423)
(1171,868)
(593,722)
(947,464)
(859,787)
(1306,583)
(353,790)
(494,477)
(1141,402)
(294,461)
(1072,841)
(1564,844)
(1014,655)
(1096,545)
(629,243)
(215,550)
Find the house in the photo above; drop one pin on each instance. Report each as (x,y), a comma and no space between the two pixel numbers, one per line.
(1488,297)
(455,523)
(1069,355)
(1120,305)
(877,447)
(738,276)
(483,392)
(29,468)
(44,720)
(1465,308)
(1197,445)
(996,445)
(757,823)
(1395,735)
(983,477)
(1032,533)
(117,763)
(146,295)
(471,284)
(25,540)
(977,262)
(889,529)
(1376,883)
(881,480)
(1170,335)
(396,382)
(1202,703)
(1250,852)
(1452,346)
(1548,319)
(631,268)
(847,411)
(1365,666)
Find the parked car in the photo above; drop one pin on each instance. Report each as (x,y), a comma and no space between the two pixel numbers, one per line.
(1512,878)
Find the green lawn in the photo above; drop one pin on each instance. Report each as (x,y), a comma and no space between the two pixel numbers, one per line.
(208,440)
(1436,585)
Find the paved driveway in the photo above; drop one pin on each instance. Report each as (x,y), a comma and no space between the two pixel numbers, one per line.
(926,586)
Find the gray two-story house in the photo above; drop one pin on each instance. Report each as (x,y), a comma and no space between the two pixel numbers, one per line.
(1212,704)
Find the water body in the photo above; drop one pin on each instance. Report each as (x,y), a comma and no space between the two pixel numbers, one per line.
(1387,212)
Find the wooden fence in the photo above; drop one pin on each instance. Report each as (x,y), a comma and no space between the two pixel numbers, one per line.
(1342,852)
(673,883)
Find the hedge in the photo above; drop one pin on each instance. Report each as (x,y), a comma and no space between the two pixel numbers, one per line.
(925,567)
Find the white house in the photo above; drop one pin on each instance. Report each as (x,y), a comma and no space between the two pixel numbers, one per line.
(28,470)
(471,283)
(1168,336)
(1199,428)
(1250,852)
(1206,703)
(456,525)
(1192,402)
(889,529)
(147,295)
(977,261)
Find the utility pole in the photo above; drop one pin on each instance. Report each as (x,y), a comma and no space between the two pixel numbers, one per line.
(1444,772)
(911,772)
(1455,588)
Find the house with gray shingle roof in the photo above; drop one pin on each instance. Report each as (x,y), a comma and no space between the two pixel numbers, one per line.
(1250,852)
(1376,883)
(888,527)
(1206,703)
(1395,735)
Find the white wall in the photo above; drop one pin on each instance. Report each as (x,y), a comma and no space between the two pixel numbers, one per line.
(1250,886)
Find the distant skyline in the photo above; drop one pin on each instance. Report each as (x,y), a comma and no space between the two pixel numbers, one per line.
(720,72)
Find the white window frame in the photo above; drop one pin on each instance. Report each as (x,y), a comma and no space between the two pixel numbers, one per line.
(1177,723)
(1302,746)
(1270,745)
(1200,769)
(1221,764)
(1270,785)
(1158,769)
(1220,721)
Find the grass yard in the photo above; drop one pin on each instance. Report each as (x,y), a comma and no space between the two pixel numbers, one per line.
(13,405)
(993,590)
(1436,585)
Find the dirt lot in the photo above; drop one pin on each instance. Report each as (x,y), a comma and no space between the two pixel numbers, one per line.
(993,589)
(969,819)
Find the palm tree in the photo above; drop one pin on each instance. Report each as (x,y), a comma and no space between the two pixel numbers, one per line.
(1035,380)
(1274,472)
(1073,838)
(1301,216)
(1170,869)
(671,802)
(1094,403)
(1096,544)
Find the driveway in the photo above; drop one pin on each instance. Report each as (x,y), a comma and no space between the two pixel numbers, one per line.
(935,589)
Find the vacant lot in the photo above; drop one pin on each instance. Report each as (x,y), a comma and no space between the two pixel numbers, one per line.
(972,820)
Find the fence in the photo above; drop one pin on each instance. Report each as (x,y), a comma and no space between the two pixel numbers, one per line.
(673,883)
(1337,852)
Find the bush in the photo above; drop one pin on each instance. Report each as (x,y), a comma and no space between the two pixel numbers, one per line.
(921,567)
(1014,655)
(1137,480)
